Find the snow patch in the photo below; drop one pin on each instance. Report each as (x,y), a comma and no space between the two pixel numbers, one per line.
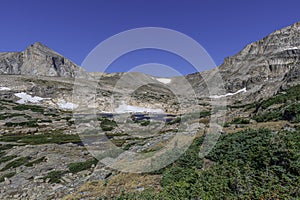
(228,94)
(25,98)
(293,48)
(67,105)
(124,108)
(290,48)
(164,80)
(4,88)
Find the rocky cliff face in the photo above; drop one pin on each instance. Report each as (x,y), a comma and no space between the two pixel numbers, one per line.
(262,67)
(38,60)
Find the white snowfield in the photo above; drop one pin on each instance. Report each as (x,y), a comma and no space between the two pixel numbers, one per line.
(228,94)
(25,98)
(4,88)
(124,108)
(164,80)
(67,105)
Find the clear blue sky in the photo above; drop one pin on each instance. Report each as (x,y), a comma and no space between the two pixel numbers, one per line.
(74,27)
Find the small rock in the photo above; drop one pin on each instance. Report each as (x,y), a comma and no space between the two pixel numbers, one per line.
(140,189)
(24,195)
(7,181)
(56,186)
(65,179)
(37,177)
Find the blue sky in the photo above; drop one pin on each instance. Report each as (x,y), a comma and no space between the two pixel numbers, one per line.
(74,27)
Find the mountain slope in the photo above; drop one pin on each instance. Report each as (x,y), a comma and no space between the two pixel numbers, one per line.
(38,60)
(263,67)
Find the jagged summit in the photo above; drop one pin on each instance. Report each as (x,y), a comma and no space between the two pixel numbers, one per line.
(280,40)
(38,46)
(263,67)
(39,60)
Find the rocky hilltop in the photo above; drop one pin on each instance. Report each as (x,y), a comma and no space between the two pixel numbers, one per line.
(263,67)
(38,60)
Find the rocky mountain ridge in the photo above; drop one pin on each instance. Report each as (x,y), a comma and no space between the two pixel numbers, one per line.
(262,67)
(38,60)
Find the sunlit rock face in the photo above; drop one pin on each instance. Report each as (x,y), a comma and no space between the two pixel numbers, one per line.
(38,60)
(263,67)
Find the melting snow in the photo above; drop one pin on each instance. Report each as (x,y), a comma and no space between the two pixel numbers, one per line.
(164,80)
(27,98)
(124,108)
(293,48)
(290,48)
(67,105)
(228,94)
(4,88)
(24,98)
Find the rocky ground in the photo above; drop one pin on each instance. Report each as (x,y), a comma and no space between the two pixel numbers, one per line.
(42,155)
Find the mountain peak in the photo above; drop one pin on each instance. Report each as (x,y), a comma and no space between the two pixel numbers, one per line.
(38,44)
(287,38)
(297,24)
(271,62)
(38,47)
(39,60)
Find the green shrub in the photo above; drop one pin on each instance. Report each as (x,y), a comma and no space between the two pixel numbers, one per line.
(33,108)
(41,139)
(46,121)
(145,123)
(28,124)
(292,112)
(6,146)
(37,161)
(10,115)
(16,163)
(54,176)
(7,158)
(292,94)
(205,114)
(80,166)
(107,124)
(175,121)
(289,112)
(268,116)
(240,121)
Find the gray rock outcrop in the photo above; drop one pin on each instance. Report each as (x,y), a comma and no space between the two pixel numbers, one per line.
(263,67)
(39,60)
